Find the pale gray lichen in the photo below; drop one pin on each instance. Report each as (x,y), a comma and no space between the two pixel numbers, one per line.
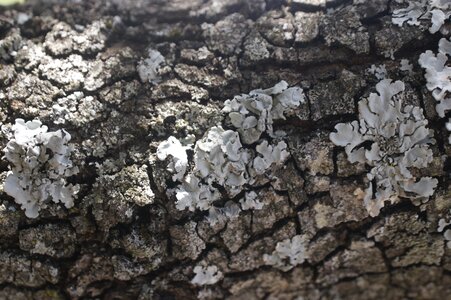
(448,127)
(437,11)
(251,201)
(148,68)
(406,66)
(398,140)
(40,164)
(438,75)
(221,160)
(410,14)
(252,114)
(288,253)
(230,211)
(447,236)
(380,72)
(267,155)
(179,159)
(192,194)
(22,18)
(206,275)
(442,224)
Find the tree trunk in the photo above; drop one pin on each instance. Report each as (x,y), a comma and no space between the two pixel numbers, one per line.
(121,77)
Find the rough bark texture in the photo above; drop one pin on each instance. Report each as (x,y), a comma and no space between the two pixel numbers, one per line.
(113,245)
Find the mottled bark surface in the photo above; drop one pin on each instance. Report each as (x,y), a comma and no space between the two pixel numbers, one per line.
(113,244)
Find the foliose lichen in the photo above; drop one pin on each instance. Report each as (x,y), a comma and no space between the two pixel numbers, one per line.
(391,138)
(448,127)
(179,159)
(380,72)
(148,68)
(435,11)
(252,114)
(226,159)
(40,165)
(438,75)
(288,253)
(443,225)
(206,275)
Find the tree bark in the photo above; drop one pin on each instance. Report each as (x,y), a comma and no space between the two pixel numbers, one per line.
(121,241)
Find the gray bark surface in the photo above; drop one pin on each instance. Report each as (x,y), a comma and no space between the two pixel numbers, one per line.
(114,245)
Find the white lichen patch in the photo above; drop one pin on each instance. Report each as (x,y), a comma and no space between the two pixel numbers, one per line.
(220,158)
(230,211)
(406,66)
(223,160)
(206,275)
(40,164)
(380,72)
(288,253)
(179,159)
(442,224)
(438,75)
(192,194)
(435,11)
(252,114)
(448,127)
(148,68)
(251,201)
(391,139)
(447,235)
(269,155)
